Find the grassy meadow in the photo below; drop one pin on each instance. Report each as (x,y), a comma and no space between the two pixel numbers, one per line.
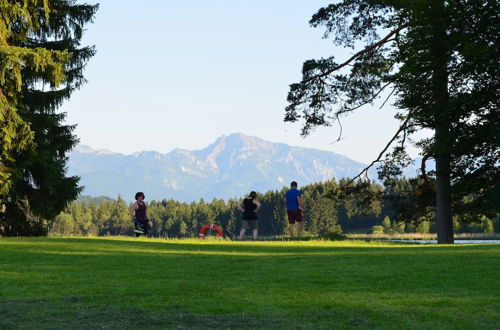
(125,283)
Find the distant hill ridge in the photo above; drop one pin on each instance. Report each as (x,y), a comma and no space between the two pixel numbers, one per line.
(231,166)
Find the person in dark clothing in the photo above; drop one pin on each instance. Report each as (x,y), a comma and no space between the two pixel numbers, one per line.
(139,213)
(294,208)
(249,206)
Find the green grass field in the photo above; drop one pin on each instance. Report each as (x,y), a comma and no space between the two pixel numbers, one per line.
(124,283)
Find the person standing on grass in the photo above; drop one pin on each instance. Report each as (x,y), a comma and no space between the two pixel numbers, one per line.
(138,212)
(249,206)
(294,208)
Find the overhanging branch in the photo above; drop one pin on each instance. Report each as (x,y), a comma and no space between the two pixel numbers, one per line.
(367,101)
(402,128)
(373,46)
(341,130)
(388,97)
(423,167)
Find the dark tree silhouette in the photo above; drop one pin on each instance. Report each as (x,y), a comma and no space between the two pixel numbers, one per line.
(439,61)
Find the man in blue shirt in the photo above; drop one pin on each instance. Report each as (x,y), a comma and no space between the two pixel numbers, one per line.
(294,208)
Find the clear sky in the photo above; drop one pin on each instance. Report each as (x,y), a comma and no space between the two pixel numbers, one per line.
(179,74)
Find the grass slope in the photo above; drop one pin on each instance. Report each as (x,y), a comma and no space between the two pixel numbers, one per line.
(128,284)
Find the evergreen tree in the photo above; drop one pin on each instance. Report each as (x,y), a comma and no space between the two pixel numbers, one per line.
(386,223)
(19,20)
(63,224)
(101,215)
(441,63)
(360,203)
(38,174)
(120,221)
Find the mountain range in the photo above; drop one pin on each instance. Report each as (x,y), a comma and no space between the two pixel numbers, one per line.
(232,166)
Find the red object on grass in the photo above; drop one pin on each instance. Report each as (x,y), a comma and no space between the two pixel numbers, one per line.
(211,226)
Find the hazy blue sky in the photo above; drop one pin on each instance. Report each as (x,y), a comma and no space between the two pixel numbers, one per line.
(173,74)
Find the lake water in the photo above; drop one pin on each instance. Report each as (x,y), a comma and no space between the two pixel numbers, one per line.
(433,241)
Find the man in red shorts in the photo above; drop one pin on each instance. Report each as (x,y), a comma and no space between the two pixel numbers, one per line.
(294,207)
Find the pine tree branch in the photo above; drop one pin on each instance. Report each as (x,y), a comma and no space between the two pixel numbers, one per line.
(367,101)
(402,128)
(403,140)
(337,119)
(368,49)
(341,130)
(387,99)
(422,167)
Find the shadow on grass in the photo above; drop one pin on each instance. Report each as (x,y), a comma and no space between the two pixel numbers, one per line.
(71,314)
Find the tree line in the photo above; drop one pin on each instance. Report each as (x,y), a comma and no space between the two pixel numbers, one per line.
(329,212)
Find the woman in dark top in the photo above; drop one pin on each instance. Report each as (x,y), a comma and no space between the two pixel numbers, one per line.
(249,206)
(138,211)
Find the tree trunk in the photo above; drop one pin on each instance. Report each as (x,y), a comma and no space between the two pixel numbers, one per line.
(444,215)
(442,127)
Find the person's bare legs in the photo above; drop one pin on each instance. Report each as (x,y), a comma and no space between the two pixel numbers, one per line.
(300,228)
(255,234)
(242,233)
(292,225)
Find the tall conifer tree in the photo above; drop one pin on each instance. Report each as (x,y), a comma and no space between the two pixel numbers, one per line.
(439,60)
(36,185)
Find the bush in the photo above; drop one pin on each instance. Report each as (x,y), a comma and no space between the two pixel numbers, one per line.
(488,227)
(423,227)
(399,227)
(334,233)
(377,230)
(386,223)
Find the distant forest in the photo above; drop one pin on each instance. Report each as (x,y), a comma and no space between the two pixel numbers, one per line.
(329,212)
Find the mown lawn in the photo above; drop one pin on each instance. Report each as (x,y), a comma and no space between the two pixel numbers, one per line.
(125,283)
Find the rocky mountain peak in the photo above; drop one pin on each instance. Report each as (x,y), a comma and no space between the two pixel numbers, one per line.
(229,167)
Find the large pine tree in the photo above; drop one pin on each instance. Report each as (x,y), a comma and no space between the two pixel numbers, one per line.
(35,183)
(439,60)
